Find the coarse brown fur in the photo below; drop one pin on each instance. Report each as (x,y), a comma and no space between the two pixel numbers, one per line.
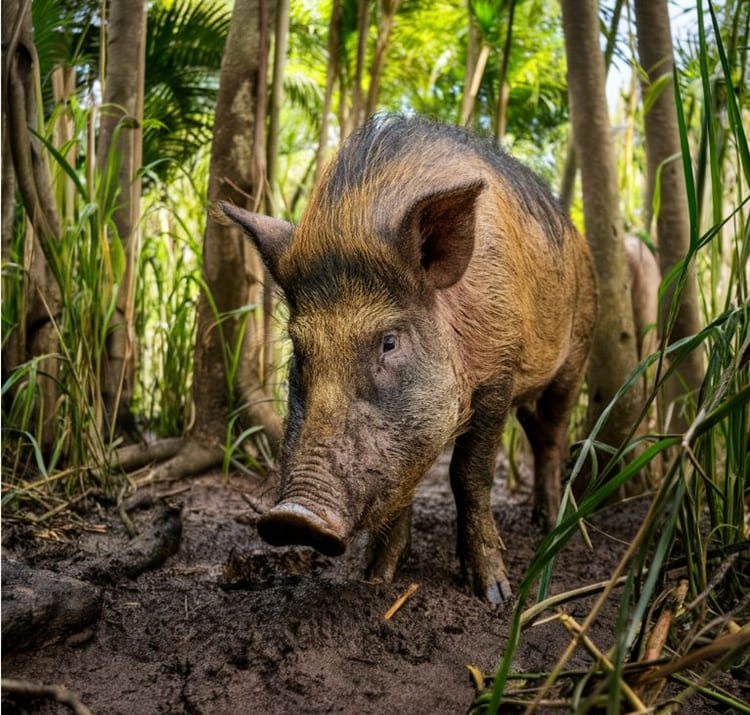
(421,235)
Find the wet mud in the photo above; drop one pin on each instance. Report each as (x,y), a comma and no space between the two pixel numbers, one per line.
(230,625)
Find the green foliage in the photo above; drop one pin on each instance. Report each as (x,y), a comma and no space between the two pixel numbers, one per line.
(87,266)
(184,45)
(167,289)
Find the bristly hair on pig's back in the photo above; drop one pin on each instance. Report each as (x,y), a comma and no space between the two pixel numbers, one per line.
(387,143)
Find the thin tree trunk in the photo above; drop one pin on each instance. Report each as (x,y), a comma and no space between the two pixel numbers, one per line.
(503,88)
(569,175)
(672,224)
(281,35)
(472,44)
(123,107)
(570,169)
(387,10)
(334,33)
(467,106)
(231,267)
(363,25)
(628,164)
(614,351)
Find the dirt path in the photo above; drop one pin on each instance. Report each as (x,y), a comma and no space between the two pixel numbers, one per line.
(229,625)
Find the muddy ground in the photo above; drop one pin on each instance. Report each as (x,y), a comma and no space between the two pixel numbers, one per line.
(230,625)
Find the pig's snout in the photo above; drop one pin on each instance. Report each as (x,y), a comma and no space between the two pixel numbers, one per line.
(291,522)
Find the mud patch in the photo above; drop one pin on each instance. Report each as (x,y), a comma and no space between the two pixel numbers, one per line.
(230,625)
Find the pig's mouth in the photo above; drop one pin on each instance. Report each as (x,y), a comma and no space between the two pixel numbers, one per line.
(291,522)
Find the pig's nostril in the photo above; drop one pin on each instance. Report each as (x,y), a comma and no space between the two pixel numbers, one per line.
(292,523)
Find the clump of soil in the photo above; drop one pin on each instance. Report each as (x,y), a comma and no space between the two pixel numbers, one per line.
(231,625)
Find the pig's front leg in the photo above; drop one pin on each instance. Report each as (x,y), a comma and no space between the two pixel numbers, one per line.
(472,471)
(390,546)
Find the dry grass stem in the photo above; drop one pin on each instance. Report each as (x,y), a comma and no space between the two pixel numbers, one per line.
(575,628)
(559,598)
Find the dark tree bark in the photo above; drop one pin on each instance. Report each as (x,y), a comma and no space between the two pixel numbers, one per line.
(672,223)
(123,106)
(614,351)
(35,335)
(231,268)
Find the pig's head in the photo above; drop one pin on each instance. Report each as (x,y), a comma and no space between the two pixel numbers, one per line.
(375,386)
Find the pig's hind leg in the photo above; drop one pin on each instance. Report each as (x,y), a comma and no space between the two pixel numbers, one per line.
(472,472)
(546,424)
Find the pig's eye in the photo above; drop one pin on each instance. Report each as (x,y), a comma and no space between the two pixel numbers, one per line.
(390,342)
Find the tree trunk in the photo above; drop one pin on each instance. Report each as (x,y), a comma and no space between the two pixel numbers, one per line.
(35,334)
(672,223)
(614,351)
(570,169)
(569,174)
(231,268)
(363,25)
(281,42)
(472,43)
(503,92)
(334,34)
(123,106)
(467,105)
(387,10)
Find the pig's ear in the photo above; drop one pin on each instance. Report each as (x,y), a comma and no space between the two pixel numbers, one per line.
(440,228)
(271,236)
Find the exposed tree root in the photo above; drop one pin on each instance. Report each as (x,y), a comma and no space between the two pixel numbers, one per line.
(135,456)
(40,606)
(59,693)
(193,458)
(147,551)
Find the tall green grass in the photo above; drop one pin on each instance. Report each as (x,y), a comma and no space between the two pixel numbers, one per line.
(697,515)
(87,265)
(167,290)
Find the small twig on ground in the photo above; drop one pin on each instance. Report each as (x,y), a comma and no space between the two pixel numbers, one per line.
(255,504)
(400,601)
(61,507)
(716,579)
(35,690)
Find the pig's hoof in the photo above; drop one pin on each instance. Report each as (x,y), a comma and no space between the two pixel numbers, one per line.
(498,591)
(489,581)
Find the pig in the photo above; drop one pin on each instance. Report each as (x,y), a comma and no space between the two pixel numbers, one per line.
(433,284)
